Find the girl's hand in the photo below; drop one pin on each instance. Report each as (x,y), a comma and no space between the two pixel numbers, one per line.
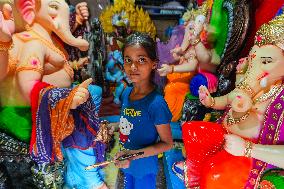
(205,97)
(122,164)
(234,145)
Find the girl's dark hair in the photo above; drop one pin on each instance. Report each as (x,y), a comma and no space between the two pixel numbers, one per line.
(144,40)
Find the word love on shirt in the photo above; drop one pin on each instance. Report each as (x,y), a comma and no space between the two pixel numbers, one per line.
(131,112)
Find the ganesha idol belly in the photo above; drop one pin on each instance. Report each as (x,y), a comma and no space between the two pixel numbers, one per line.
(34,57)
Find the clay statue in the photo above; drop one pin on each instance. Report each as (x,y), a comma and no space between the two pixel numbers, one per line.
(194,55)
(249,139)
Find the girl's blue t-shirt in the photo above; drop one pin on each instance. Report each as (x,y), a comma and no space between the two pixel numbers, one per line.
(137,128)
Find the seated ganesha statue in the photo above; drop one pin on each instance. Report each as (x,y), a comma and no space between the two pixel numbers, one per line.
(37,103)
(248,140)
(196,61)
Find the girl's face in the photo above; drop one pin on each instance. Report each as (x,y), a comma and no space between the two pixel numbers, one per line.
(137,64)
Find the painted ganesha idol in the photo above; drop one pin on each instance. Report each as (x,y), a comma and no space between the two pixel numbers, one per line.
(195,62)
(36,77)
(249,139)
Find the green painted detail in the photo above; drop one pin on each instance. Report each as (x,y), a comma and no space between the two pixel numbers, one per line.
(219,21)
(17,122)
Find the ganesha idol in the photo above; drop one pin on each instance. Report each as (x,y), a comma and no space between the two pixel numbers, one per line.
(37,77)
(34,57)
(196,62)
(249,139)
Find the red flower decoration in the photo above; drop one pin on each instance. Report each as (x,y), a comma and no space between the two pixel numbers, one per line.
(34,62)
(258,38)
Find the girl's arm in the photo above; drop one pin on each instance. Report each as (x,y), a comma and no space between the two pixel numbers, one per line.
(165,143)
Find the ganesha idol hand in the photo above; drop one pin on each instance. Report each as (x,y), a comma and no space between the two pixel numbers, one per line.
(165,70)
(82,12)
(82,94)
(176,53)
(76,65)
(176,50)
(7,25)
(176,56)
(205,98)
(235,145)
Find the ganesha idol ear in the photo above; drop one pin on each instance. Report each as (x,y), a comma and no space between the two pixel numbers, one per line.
(200,19)
(27,9)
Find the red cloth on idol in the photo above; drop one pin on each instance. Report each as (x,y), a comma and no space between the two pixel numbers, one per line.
(34,98)
(208,165)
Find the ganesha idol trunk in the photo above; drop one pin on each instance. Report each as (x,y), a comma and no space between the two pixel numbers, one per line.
(208,165)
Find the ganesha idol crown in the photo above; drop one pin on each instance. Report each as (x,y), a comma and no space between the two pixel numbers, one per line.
(271,33)
(133,16)
(202,10)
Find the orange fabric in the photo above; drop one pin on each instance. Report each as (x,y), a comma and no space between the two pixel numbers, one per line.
(62,122)
(175,91)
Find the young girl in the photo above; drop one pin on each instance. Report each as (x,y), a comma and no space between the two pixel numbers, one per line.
(145,115)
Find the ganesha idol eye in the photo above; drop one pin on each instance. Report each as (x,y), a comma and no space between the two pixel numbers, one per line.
(200,19)
(266,60)
(54,7)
